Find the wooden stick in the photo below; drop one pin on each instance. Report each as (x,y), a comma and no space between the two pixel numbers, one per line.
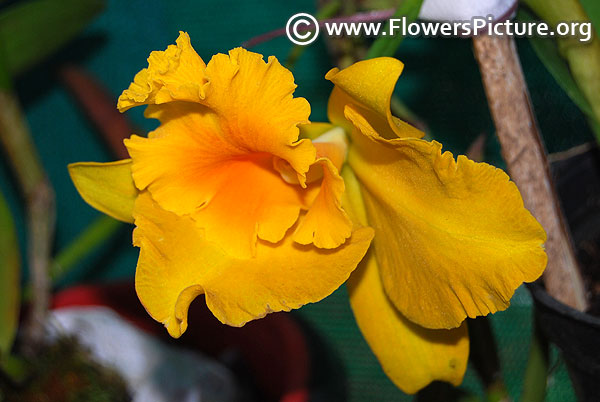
(525,156)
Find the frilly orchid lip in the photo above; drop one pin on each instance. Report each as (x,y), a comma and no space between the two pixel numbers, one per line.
(227,200)
(464,10)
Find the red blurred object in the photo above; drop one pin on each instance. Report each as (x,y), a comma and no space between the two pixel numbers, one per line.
(273,348)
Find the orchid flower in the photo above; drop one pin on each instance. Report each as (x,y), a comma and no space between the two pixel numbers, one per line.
(452,238)
(238,197)
(227,202)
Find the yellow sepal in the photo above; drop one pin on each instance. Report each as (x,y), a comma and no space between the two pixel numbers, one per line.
(108,187)
(368,87)
(453,237)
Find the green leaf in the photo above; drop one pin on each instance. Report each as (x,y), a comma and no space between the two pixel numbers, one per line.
(595,128)
(6,82)
(387,45)
(10,265)
(548,53)
(592,9)
(536,372)
(32,30)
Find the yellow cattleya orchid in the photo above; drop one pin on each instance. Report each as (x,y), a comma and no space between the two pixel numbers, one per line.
(226,200)
(229,202)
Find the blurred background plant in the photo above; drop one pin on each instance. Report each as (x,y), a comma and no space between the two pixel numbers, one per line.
(574,65)
(53,56)
(35,368)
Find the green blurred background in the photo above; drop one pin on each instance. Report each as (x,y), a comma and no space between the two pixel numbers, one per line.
(441,84)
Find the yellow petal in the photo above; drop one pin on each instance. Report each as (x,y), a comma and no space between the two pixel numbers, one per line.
(174,74)
(108,187)
(177,264)
(235,201)
(411,356)
(368,87)
(326,225)
(453,238)
(255,106)
(215,160)
(333,145)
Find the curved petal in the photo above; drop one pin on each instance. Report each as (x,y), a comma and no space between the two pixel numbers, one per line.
(235,201)
(368,87)
(453,237)
(411,356)
(331,144)
(326,225)
(174,74)
(256,108)
(108,187)
(177,264)
(215,160)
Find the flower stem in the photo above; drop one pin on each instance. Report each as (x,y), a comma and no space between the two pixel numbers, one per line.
(525,156)
(85,243)
(367,16)
(39,196)
(328,10)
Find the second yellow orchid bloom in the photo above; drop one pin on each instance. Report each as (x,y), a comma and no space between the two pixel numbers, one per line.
(452,238)
(229,202)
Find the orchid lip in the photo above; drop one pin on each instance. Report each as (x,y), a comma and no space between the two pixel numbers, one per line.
(335,139)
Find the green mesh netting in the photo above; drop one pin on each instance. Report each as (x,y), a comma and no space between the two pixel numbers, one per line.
(440,83)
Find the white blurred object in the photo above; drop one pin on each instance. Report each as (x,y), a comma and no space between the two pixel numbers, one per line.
(153,370)
(464,10)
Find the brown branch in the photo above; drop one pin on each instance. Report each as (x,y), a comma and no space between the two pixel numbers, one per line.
(525,156)
(40,222)
(99,106)
(39,196)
